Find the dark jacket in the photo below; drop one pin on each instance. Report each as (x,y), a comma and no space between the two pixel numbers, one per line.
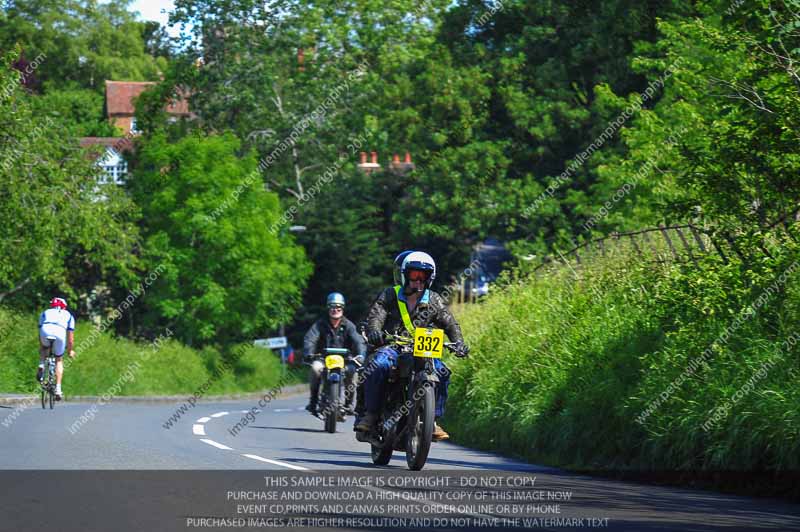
(322,335)
(431,311)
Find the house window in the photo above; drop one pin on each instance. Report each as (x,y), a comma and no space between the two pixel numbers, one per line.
(114,166)
(115,173)
(133,126)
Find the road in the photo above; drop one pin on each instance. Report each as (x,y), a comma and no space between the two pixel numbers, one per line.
(123,469)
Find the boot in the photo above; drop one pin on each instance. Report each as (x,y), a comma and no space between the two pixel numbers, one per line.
(366,423)
(439,433)
(312,407)
(360,407)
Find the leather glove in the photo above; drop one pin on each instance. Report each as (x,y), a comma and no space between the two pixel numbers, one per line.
(375,338)
(462,349)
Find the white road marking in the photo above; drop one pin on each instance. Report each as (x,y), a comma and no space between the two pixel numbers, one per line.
(301,408)
(199,430)
(276,462)
(215,444)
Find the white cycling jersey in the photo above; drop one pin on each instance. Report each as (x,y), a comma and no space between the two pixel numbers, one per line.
(56,322)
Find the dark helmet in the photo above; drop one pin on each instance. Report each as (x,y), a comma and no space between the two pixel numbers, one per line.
(398,264)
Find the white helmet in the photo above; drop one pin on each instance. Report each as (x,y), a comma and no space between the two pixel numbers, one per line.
(418,260)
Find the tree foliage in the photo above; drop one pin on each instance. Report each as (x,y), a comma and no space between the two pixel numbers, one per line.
(516,115)
(82,42)
(220,273)
(57,222)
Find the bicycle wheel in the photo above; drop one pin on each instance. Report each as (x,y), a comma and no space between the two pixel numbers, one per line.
(51,385)
(45,384)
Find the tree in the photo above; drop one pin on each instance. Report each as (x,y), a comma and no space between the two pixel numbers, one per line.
(344,241)
(80,110)
(83,42)
(736,96)
(206,220)
(293,81)
(55,219)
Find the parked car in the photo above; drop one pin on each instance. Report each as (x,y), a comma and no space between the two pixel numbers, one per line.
(491,256)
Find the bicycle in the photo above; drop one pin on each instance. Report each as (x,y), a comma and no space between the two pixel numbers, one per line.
(49,376)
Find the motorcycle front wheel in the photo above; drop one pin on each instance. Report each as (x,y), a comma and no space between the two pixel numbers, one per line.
(332,407)
(381,455)
(419,429)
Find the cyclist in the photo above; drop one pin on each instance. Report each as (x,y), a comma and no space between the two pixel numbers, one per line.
(398,310)
(333,330)
(58,322)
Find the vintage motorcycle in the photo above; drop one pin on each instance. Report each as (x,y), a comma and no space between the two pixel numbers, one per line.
(406,423)
(330,401)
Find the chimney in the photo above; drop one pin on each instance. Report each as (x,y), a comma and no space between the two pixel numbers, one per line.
(368,167)
(401,168)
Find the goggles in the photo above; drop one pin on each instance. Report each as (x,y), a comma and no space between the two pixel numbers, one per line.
(335,307)
(418,275)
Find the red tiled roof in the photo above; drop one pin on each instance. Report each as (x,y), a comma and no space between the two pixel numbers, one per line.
(120,96)
(120,144)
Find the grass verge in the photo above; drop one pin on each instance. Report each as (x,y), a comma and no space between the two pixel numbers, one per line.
(626,366)
(109,364)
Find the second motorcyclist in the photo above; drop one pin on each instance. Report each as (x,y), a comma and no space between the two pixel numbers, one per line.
(333,330)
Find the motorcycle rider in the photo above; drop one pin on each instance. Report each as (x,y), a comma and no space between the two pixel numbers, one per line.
(362,329)
(333,330)
(398,310)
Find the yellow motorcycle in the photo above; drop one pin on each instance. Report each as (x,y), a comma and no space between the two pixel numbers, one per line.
(331,407)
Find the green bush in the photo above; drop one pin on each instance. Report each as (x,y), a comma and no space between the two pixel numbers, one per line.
(106,364)
(566,364)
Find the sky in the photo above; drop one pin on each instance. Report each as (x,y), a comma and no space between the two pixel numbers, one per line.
(152,10)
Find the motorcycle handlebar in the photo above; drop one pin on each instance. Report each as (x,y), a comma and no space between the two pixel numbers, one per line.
(307,359)
(404,341)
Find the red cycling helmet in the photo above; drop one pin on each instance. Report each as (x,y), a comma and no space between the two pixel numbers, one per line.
(58,302)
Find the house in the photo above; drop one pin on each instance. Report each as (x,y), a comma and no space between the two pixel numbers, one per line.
(120,97)
(110,156)
(120,110)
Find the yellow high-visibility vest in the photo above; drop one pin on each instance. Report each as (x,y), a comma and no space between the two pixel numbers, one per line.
(404,311)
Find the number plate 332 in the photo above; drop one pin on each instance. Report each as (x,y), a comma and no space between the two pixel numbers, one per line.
(428,343)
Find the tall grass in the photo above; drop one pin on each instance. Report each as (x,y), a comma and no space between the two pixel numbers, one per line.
(565,365)
(166,368)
